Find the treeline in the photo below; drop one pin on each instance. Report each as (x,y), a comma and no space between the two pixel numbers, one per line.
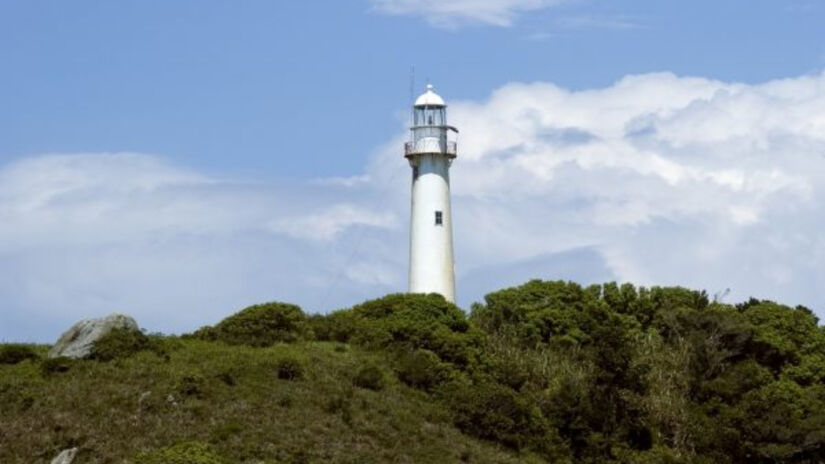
(596,374)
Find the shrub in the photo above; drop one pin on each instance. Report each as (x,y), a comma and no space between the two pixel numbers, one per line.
(207,333)
(227,377)
(13,354)
(339,326)
(14,397)
(181,453)
(370,377)
(558,313)
(226,431)
(320,326)
(811,370)
(119,343)
(259,326)
(57,365)
(341,404)
(421,369)
(413,321)
(290,369)
(492,411)
(341,348)
(781,335)
(191,385)
(285,402)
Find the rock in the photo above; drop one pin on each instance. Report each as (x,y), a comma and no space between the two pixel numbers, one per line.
(65,456)
(143,401)
(78,341)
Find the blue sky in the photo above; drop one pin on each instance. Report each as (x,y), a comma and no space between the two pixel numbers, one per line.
(228,86)
(223,133)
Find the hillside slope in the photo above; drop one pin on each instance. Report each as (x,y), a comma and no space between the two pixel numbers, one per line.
(230,397)
(546,372)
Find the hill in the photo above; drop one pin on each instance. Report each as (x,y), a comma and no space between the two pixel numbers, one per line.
(546,372)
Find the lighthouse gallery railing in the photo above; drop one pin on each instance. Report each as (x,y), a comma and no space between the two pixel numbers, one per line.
(430,145)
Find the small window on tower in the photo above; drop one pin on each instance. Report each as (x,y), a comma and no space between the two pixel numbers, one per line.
(438,219)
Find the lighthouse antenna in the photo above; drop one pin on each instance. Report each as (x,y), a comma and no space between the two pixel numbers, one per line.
(412,93)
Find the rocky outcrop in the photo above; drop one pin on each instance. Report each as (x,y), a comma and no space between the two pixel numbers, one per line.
(79,340)
(65,456)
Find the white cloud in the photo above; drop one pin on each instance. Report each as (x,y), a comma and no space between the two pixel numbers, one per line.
(86,234)
(619,22)
(675,180)
(657,179)
(454,13)
(328,225)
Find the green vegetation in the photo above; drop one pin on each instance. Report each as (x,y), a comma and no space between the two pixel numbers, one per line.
(259,325)
(546,372)
(181,453)
(58,365)
(120,343)
(13,354)
(290,368)
(370,377)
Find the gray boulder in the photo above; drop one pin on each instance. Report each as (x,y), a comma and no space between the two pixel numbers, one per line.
(65,456)
(78,341)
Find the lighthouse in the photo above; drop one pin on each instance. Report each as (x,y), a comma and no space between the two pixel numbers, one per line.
(430,153)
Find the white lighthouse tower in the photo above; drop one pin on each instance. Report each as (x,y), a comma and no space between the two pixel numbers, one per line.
(430,154)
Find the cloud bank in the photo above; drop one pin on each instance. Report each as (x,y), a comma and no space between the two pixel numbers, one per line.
(672,180)
(86,234)
(657,180)
(455,13)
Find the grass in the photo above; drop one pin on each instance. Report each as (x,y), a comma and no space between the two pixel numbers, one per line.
(232,401)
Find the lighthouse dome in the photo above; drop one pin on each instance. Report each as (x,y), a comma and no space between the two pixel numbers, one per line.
(430,98)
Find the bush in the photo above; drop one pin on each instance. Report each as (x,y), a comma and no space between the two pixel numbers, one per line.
(341,404)
(119,343)
(421,369)
(51,366)
(414,321)
(14,397)
(370,377)
(259,326)
(492,411)
(227,377)
(290,369)
(191,385)
(182,453)
(13,354)
(338,326)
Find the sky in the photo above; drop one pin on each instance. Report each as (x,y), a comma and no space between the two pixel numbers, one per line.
(180,160)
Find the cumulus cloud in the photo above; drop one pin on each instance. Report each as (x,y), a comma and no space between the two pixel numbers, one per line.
(328,224)
(454,13)
(673,180)
(657,180)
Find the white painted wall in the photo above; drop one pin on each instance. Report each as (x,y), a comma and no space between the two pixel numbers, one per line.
(431,245)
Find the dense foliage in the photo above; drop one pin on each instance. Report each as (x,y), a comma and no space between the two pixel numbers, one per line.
(259,325)
(13,354)
(545,372)
(610,373)
(623,374)
(120,343)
